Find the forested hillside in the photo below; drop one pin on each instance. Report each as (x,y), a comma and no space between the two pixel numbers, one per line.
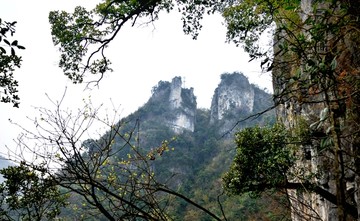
(170,160)
(192,160)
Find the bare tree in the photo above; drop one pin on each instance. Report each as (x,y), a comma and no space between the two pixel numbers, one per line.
(110,174)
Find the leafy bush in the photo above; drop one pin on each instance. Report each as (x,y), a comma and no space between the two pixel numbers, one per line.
(261,162)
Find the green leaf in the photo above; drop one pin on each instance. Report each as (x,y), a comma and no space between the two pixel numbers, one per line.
(7,42)
(13,52)
(20,47)
(2,50)
(14,43)
(290,8)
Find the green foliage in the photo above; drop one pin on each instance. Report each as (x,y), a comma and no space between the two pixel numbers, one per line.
(316,73)
(316,69)
(235,78)
(9,61)
(161,86)
(269,206)
(194,11)
(192,164)
(139,169)
(311,56)
(27,194)
(188,99)
(76,32)
(84,35)
(247,20)
(196,165)
(262,160)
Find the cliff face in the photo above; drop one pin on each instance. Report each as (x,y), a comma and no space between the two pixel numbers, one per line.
(177,104)
(233,94)
(197,155)
(318,106)
(235,99)
(195,161)
(183,102)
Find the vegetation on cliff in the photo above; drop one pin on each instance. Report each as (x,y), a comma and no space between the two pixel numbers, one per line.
(315,64)
(140,167)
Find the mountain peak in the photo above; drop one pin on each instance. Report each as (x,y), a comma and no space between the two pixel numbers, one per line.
(235,99)
(233,94)
(179,104)
(175,107)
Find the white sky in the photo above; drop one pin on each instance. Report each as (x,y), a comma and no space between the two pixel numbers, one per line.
(141,57)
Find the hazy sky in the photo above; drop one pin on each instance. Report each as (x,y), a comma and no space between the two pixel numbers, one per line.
(141,57)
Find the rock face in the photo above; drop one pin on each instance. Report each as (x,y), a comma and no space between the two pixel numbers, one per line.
(177,104)
(233,94)
(183,103)
(327,160)
(235,99)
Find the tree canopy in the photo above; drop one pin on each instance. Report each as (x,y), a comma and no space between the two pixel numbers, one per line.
(84,35)
(9,61)
(28,194)
(262,160)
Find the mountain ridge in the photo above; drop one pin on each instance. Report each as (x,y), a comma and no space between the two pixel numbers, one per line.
(196,152)
(233,99)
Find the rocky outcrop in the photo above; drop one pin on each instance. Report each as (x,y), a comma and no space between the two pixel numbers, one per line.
(235,99)
(177,105)
(234,94)
(324,115)
(183,103)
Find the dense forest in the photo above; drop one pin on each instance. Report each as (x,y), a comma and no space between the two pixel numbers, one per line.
(172,161)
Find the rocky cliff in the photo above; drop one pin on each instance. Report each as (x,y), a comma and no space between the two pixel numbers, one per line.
(176,104)
(183,103)
(313,104)
(194,162)
(233,94)
(235,99)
